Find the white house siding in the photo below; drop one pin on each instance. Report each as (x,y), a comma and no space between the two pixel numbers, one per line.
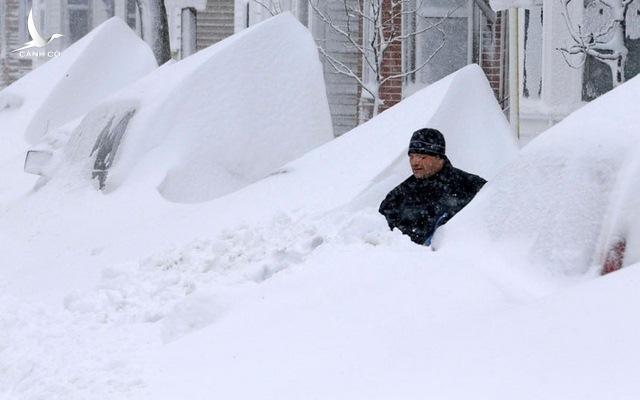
(342,91)
(215,23)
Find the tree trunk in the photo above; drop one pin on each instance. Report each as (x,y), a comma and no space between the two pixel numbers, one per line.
(155,29)
(377,103)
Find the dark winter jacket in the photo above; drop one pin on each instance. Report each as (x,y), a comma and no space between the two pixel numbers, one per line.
(417,207)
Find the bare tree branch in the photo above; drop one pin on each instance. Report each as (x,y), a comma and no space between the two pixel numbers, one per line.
(606,44)
(272,6)
(371,28)
(424,64)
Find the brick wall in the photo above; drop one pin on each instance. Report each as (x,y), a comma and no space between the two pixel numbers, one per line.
(492,57)
(391,91)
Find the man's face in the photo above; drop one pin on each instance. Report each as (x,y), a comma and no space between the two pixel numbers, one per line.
(425,165)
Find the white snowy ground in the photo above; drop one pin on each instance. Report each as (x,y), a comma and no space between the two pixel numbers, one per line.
(293,287)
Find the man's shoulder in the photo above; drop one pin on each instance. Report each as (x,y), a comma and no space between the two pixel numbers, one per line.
(402,188)
(467,181)
(467,176)
(404,185)
(395,196)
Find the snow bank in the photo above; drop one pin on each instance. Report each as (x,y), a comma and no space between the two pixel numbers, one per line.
(581,343)
(136,278)
(110,57)
(373,156)
(568,198)
(354,171)
(357,317)
(213,122)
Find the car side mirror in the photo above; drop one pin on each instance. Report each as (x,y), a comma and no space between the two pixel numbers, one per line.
(36,161)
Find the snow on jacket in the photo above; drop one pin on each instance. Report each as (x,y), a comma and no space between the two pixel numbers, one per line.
(418,206)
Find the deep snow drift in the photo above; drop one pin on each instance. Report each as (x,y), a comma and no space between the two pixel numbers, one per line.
(293,287)
(365,315)
(68,86)
(134,271)
(63,89)
(211,123)
(571,195)
(355,170)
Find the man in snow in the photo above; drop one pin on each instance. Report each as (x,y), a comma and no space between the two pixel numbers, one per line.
(433,194)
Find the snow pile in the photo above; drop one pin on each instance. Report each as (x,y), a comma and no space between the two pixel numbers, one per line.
(373,156)
(213,122)
(354,171)
(45,102)
(54,355)
(296,272)
(581,343)
(569,197)
(165,286)
(356,319)
(110,57)
(89,346)
(391,320)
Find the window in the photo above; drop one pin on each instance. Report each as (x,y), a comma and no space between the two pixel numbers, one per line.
(79,19)
(247,15)
(110,8)
(446,44)
(597,76)
(132,14)
(532,53)
(106,146)
(303,12)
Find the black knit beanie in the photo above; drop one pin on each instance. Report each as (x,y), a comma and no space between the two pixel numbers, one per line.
(428,141)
